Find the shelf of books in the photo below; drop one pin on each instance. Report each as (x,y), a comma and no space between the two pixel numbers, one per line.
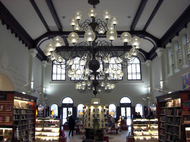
(95,111)
(172,111)
(47,129)
(145,129)
(17,116)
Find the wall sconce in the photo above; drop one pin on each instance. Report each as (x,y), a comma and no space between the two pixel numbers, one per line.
(32,85)
(161,84)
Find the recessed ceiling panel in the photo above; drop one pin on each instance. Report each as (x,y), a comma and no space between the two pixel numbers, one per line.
(122,9)
(42,5)
(169,12)
(24,13)
(150,5)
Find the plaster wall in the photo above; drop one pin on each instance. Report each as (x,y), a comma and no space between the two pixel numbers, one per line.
(14,61)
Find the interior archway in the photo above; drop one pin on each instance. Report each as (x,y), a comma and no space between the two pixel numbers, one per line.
(5,83)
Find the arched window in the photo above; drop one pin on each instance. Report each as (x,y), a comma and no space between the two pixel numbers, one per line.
(125,104)
(112,110)
(125,100)
(67,100)
(134,69)
(67,105)
(139,108)
(54,110)
(80,110)
(58,70)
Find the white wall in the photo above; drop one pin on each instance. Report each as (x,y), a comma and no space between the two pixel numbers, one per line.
(14,63)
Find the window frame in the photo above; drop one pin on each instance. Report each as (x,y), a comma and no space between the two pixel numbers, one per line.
(135,72)
(51,110)
(56,73)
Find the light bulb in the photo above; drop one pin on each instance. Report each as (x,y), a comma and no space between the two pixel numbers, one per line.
(125,37)
(57,41)
(73,37)
(77,15)
(92,12)
(111,35)
(114,20)
(106,14)
(89,36)
(72,22)
(50,47)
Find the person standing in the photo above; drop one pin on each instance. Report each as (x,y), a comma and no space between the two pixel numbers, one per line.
(71,125)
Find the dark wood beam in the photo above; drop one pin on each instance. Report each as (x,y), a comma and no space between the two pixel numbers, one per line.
(138,14)
(114,48)
(39,14)
(54,14)
(15,27)
(153,14)
(179,24)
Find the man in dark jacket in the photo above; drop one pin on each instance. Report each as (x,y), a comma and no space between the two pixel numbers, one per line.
(71,125)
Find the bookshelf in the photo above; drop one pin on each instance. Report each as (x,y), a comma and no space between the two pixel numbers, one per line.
(172,110)
(92,111)
(17,116)
(145,129)
(47,129)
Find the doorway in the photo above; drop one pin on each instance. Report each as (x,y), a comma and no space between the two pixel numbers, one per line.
(67,105)
(125,104)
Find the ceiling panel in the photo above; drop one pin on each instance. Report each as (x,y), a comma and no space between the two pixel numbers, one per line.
(121,9)
(168,13)
(23,11)
(150,5)
(42,5)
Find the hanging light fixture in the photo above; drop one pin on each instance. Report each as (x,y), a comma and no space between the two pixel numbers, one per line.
(99,62)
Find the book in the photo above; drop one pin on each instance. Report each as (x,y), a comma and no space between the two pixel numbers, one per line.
(8,108)
(1,118)
(1,107)
(7,119)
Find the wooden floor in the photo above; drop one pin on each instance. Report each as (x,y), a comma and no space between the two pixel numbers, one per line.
(120,137)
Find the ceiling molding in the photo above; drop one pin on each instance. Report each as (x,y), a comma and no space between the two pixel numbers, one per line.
(54,14)
(179,24)
(138,14)
(153,14)
(40,14)
(15,27)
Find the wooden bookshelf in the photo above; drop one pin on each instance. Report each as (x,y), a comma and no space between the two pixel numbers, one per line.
(17,112)
(172,110)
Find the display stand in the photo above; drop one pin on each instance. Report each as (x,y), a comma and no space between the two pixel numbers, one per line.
(47,129)
(92,111)
(145,129)
(17,116)
(173,115)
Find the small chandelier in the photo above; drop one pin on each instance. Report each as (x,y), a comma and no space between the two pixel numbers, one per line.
(90,74)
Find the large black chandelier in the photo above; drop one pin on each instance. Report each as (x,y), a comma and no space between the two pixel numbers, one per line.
(99,62)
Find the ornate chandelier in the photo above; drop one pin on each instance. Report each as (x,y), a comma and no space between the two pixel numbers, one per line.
(94,64)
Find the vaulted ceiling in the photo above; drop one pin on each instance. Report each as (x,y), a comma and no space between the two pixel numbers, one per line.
(155,21)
